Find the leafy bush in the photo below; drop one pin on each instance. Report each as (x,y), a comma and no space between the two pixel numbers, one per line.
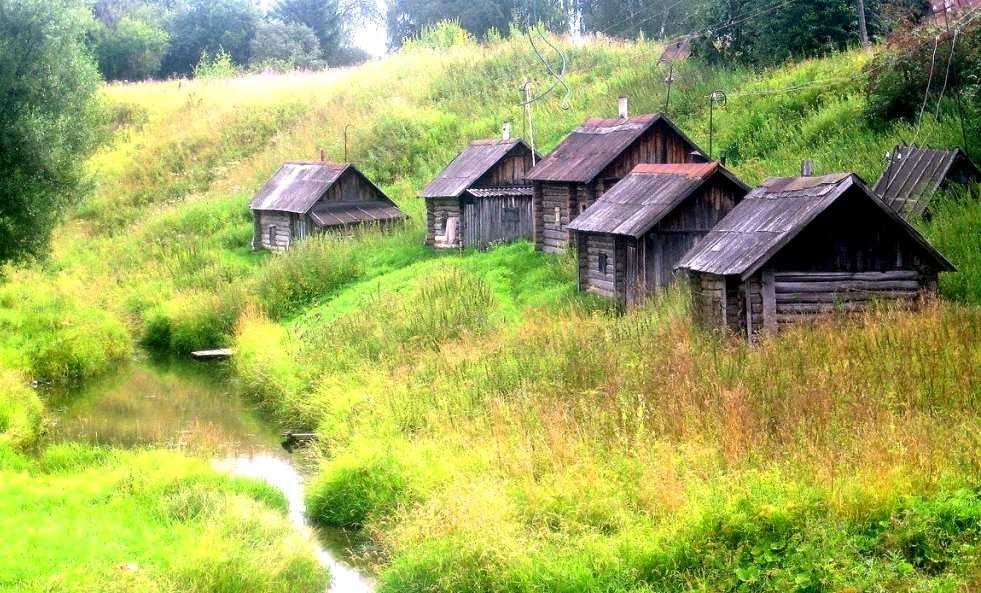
(21,412)
(217,67)
(351,490)
(440,35)
(901,71)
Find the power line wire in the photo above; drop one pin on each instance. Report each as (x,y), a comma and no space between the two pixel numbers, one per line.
(926,94)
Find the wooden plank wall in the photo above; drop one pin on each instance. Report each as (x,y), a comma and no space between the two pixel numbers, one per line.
(658,145)
(438,211)
(484,220)
(351,188)
(509,171)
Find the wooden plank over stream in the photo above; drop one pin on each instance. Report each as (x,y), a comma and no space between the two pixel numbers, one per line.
(219,354)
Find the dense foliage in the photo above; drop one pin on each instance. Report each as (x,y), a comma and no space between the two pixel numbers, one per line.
(919,68)
(47,124)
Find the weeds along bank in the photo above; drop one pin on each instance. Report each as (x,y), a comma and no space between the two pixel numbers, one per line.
(575,450)
(89,519)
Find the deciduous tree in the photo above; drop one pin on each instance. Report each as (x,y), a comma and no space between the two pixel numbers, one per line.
(48,81)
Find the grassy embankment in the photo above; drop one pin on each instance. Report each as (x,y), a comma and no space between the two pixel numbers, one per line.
(82,519)
(490,429)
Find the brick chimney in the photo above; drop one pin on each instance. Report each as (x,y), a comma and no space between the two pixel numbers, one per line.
(624,107)
(506,131)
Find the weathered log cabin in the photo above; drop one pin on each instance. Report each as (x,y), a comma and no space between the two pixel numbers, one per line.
(629,241)
(593,159)
(915,174)
(796,249)
(303,198)
(482,196)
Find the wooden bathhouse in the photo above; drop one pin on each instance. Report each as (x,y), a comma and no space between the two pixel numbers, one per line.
(629,241)
(593,159)
(915,174)
(482,196)
(798,248)
(303,198)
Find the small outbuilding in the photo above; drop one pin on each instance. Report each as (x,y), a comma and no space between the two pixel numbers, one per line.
(798,248)
(482,196)
(629,241)
(915,174)
(592,159)
(304,198)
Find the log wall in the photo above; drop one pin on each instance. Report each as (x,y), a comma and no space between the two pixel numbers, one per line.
(772,300)
(591,277)
(438,211)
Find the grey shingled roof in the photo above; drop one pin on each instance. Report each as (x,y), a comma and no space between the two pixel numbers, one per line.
(645,196)
(330,214)
(916,174)
(297,186)
(773,214)
(591,147)
(469,166)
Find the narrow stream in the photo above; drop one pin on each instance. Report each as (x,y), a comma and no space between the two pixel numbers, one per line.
(188,406)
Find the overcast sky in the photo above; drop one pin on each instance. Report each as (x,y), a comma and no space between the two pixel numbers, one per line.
(371,37)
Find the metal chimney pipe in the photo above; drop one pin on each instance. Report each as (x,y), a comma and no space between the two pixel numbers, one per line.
(624,107)
(506,131)
(807,168)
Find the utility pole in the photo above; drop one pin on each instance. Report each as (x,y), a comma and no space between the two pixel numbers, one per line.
(528,119)
(669,81)
(862,29)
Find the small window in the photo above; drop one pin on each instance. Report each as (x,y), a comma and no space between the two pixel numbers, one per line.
(558,216)
(604,263)
(272,235)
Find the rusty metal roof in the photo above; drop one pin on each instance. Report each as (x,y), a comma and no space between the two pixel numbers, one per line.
(330,214)
(502,192)
(595,144)
(297,186)
(915,174)
(469,166)
(645,196)
(773,214)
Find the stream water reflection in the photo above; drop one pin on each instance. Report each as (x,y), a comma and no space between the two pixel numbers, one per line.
(190,406)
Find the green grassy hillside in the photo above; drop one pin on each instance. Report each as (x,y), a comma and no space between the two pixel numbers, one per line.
(489,428)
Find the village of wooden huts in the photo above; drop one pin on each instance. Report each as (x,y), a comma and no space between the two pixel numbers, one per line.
(915,175)
(641,203)
(796,248)
(592,159)
(303,198)
(482,197)
(629,241)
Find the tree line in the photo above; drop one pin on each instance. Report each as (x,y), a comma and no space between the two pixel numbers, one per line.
(138,39)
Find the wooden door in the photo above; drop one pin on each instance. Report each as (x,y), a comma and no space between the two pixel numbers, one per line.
(631,277)
(470,224)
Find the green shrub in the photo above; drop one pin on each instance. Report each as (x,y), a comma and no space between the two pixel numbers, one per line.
(21,412)
(351,490)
